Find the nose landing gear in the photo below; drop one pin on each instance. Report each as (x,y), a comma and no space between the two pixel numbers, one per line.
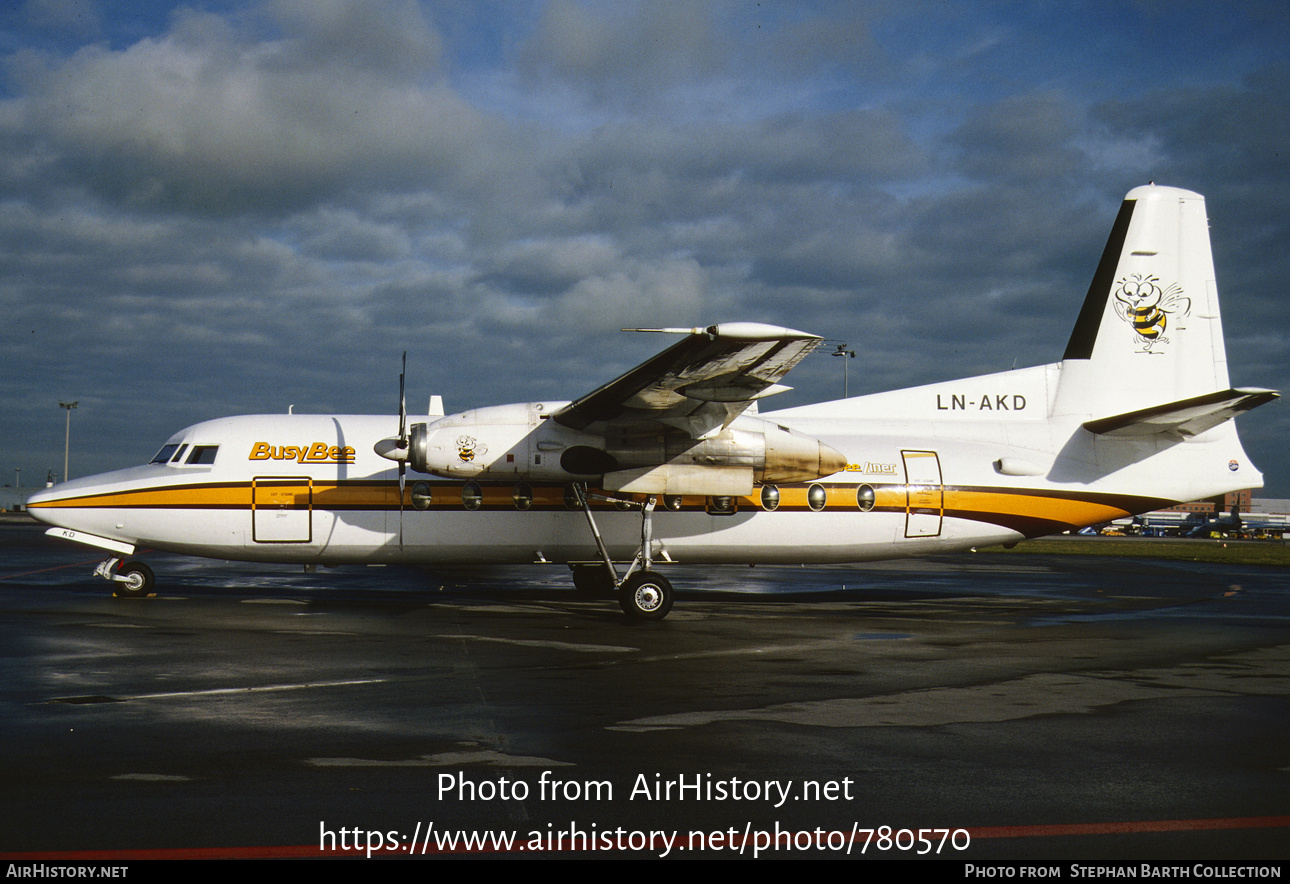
(132,579)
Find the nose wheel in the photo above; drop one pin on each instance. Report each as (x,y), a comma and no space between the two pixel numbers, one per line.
(136,580)
(133,579)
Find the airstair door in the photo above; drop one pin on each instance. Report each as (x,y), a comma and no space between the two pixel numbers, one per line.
(924,494)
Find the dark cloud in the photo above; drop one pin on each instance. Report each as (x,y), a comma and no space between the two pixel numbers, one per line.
(1022,139)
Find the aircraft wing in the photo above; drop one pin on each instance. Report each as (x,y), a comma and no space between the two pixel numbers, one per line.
(698,385)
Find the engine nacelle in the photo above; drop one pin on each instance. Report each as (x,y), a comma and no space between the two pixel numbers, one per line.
(493,441)
(750,450)
(514,441)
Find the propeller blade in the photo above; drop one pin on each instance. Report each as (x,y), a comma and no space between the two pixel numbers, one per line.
(403,481)
(403,441)
(403,402)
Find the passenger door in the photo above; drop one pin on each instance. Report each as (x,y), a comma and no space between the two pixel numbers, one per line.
(924,494)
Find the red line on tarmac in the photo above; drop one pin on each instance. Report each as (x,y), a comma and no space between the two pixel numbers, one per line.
(63,567)
(1134,827)
(51,568)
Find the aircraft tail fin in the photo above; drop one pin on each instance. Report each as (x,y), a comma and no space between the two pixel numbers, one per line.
(1150,330)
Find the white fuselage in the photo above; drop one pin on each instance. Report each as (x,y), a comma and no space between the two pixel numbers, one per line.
(945,467)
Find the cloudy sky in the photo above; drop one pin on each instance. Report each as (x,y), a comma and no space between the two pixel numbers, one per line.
(236,207)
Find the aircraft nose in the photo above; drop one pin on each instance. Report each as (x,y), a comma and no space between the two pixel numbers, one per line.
(41,496)
(41,504)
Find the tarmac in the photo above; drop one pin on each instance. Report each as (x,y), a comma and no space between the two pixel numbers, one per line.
(973,707)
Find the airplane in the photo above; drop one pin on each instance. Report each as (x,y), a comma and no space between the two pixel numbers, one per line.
(674,462)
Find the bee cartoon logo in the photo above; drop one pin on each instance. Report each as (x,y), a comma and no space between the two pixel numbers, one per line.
(1141,301)
(468,447)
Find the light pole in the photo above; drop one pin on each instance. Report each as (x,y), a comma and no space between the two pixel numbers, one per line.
(67,439)
(846,374)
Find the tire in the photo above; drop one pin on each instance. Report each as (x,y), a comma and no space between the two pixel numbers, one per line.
(138,582)
(592,581)
(646,596)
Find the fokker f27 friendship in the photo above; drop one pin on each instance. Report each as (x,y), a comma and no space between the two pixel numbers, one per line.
(673,462)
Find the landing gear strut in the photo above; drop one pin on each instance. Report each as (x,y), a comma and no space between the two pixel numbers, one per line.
(643,593)
(132,579)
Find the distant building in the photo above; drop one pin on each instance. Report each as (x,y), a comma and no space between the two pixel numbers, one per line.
(13,499)
(1259,515)
(1242,500)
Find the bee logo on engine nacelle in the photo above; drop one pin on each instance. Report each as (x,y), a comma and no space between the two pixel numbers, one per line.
(468,448)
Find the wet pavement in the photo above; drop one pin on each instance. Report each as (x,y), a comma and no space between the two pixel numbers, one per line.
(1045,707)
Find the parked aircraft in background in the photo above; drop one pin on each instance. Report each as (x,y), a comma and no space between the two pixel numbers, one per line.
(674,462)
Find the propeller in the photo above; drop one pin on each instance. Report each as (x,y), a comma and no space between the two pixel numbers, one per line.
(403,442)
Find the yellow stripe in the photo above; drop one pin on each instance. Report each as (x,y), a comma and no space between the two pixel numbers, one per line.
(1071,510)
(1059,509)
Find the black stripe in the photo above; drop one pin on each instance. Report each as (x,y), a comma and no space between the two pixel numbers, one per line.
(1084,336)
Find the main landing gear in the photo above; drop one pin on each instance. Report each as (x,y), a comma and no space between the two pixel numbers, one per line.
(130,579)
(646,595)
(643,593)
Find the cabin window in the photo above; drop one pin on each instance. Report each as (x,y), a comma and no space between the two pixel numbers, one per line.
(672,502)
(523,496)
(865,497)
(421,495)
(722,505)
(203,454)
(163,456)
(472,496)
(769,498)
(816,497)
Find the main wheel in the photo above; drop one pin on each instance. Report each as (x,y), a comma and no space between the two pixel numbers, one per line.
(592,581)
(138,580)
(646,596)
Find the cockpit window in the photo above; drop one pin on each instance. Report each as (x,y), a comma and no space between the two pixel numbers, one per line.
(163,456)
(179,455)
(203,454)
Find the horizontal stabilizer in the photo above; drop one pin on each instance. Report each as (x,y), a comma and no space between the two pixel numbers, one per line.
(1187,417)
